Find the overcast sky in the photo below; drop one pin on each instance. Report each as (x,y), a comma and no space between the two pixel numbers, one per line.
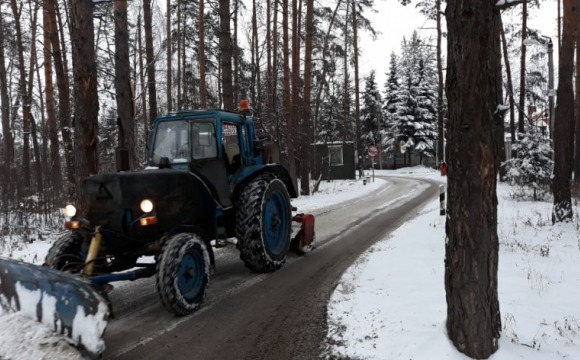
(395,21)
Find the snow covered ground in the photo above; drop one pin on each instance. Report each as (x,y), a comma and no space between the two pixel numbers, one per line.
(391,303)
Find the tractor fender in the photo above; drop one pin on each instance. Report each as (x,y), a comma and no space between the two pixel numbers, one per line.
(277,170)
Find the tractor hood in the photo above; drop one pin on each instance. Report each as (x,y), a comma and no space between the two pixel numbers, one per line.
(179,198)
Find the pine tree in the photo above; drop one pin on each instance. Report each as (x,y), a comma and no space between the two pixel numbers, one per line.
(415,111)
(391,99)
(532,168)
(426,112)
(371,113)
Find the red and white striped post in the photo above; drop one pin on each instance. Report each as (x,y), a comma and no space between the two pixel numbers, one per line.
(442,203)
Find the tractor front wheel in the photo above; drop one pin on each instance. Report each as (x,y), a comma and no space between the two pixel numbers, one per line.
(66,254)
(183,271)
(263,224)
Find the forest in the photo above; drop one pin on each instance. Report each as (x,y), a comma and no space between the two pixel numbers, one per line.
(79,79)
(490,96)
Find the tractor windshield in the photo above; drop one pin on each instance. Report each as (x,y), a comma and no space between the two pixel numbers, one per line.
(181,141)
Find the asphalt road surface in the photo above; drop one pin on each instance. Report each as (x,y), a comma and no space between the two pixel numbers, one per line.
(281,315)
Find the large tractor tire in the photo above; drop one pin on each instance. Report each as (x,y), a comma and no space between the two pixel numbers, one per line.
(66,254)
(183,271)
(263,224)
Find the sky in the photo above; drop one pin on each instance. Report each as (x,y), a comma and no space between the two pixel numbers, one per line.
(390,304)
(395,21)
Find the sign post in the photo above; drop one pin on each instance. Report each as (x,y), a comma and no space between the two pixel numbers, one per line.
(373,151)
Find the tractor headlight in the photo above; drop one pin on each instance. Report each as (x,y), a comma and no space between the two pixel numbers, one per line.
(70,210)
(146,206)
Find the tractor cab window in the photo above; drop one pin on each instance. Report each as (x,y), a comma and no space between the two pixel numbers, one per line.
(180,141)
(231,147)
(172,142)
(203,140)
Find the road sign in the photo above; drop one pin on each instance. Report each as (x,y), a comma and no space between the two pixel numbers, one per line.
(372,151)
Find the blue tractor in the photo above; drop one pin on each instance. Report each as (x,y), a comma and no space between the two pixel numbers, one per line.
(209,180)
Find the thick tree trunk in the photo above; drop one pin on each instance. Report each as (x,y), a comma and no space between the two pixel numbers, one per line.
(564,126)
(522,109)
(306,117)
(202,83)
(54,168)
(346,98)
(123,91)
(151,80)
(225,42)
(473,316)
(86,100)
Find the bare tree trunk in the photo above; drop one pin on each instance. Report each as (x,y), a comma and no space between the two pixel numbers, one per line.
(202,83)
(295,79)
(306,118)
(499,138)
(86,102)
(7,134)
(236,55)
(25,178)
(258,70)
(151,81)
(170,56)
(269,71)
(473,316)
(322,78)
(346,99)
(440,125)
(142,71)
(577,114)
(33,129)
(64,98)
(254,52)
(522,108)
(225,42)
(275,63)
(287,99)
(510,85)
(559,41)
(564,127)
(54,168)
(179,57)
(123,91)
(359,145)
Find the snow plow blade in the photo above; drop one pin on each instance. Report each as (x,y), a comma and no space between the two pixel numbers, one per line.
(65,303)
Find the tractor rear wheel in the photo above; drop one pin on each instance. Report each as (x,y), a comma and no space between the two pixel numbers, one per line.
(66,254)
(183,271)
(263,224)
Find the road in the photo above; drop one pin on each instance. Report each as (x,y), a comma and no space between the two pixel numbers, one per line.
(280,315)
